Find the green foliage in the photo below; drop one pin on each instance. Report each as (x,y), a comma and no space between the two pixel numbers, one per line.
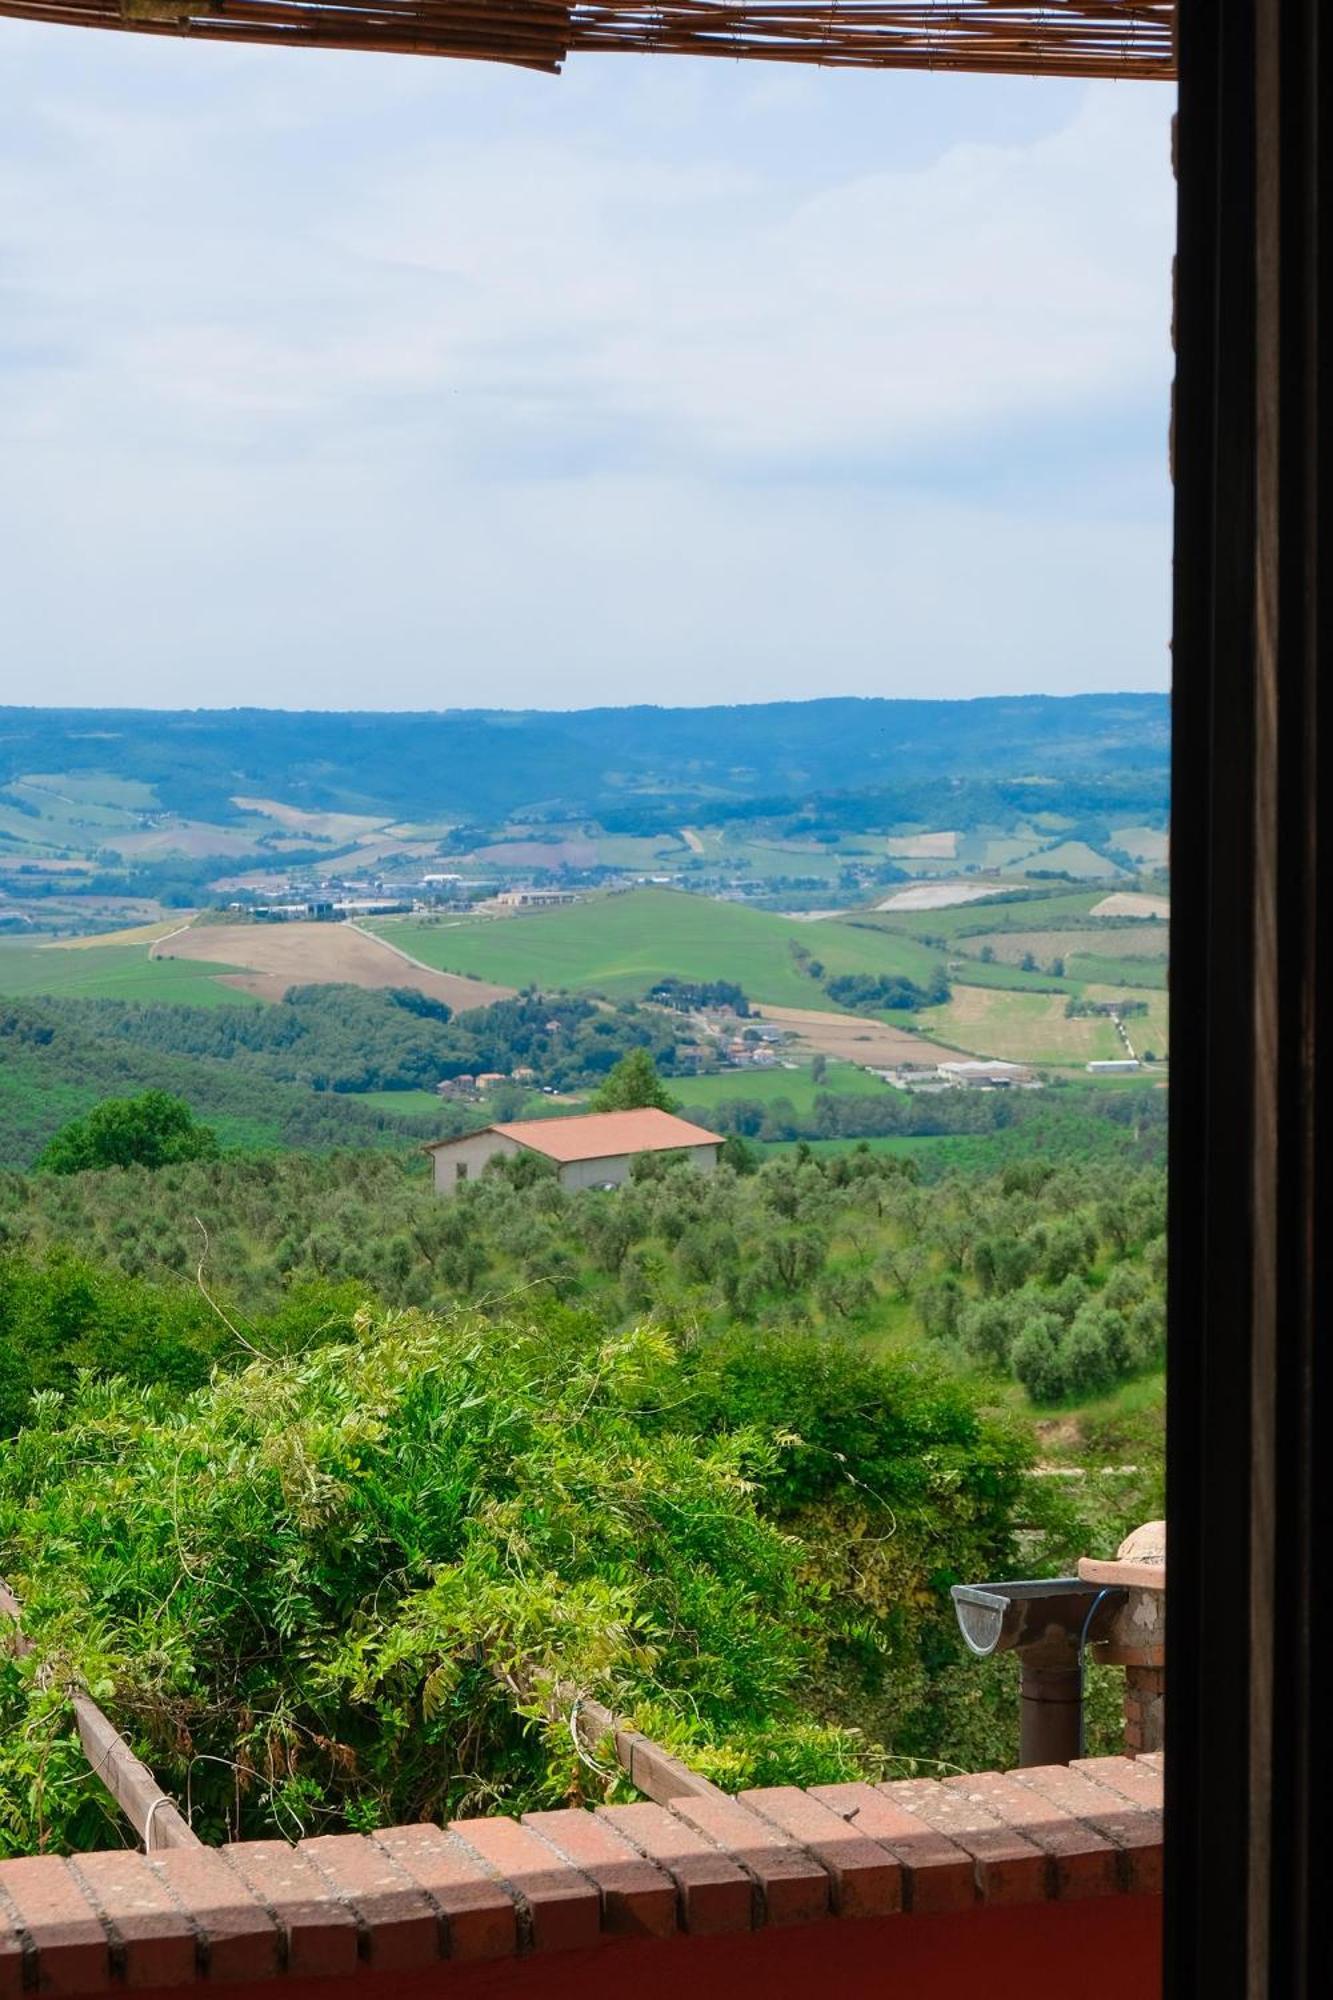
(1066,1121)
(687,996)
(877,993)
(348,1039)
(153,1130)
(58,1059)
(63,1315)
(634,1085)
(357,1586)
(848,1242)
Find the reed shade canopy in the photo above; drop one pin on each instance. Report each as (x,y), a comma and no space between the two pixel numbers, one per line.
(1109,38)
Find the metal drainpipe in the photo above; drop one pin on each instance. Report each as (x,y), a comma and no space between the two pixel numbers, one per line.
(1050,1713)
(1047,1622)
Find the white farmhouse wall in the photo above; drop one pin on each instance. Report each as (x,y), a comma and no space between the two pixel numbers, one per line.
(471,1152)
(615,1167)
(477,1148)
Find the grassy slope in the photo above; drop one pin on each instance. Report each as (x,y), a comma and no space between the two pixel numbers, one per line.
(1020,1027)
(764,1086)
(114,972)
(1095,968)
(621,945)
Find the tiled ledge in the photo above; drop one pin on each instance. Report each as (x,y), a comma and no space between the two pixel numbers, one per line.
(489,1889)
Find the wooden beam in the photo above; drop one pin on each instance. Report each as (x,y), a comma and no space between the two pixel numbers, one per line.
(155,1817)
(650,1768)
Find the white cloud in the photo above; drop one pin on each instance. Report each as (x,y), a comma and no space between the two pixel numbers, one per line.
(416,382)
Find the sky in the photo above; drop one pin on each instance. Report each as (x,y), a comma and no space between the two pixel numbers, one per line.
(346,381)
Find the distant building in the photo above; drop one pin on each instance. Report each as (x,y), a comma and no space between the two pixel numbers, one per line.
(988,1075)
(963,1075)
(591,1151)
(1115,1066)
(535,899)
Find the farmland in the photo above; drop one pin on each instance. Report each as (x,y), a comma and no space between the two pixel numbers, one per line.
(1146,941)
(115,972)
(854,1038)
(1008,909)
(1094,968)
(1022,1027)
(1034,1028)
(622,945)
(701,1095)
(268,959)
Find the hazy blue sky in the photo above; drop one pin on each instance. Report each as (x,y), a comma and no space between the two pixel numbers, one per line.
(362,381)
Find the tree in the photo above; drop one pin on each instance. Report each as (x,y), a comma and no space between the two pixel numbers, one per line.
(153,1130)
(633,1085)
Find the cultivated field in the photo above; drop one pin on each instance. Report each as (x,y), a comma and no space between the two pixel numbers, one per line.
(938,895)
(701,1095)
(1010,910)
(273,957)
(116,972)
(923,846)
(135,934)
(1075,857)
(1149,844)
(1102,968)
(1011,947)
(856,1038)
(622,945)
(336,826)
(1145,1031)
(1021,1027)
(1124,903)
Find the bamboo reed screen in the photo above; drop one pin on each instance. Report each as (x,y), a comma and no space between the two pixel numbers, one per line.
(1127,38)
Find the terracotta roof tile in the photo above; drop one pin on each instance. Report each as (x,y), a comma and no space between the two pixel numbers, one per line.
(601,1135)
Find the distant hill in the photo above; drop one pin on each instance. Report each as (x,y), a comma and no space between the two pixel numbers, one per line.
(635,762)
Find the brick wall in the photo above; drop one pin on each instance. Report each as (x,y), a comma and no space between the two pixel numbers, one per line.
(986,1884)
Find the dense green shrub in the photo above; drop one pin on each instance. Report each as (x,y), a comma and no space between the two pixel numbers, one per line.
(358,1585)
(152,1130)
(62,1315)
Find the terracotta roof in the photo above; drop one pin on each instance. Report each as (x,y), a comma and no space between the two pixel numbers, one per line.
(601,1134)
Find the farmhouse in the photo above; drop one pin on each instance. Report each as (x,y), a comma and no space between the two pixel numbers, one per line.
(592,1151)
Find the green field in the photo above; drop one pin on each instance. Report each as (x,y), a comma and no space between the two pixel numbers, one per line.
(1076,858)
(397,1100)
(114,972)
(1020,1027)
(765,1086)
(1018,913)
(1119,941)
(1092,968)
(622,945)
(1145,1031)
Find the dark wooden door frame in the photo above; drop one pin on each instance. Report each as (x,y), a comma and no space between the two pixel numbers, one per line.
(1250,1424)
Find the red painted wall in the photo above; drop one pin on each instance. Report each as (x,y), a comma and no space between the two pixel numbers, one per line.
(1106,1949)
